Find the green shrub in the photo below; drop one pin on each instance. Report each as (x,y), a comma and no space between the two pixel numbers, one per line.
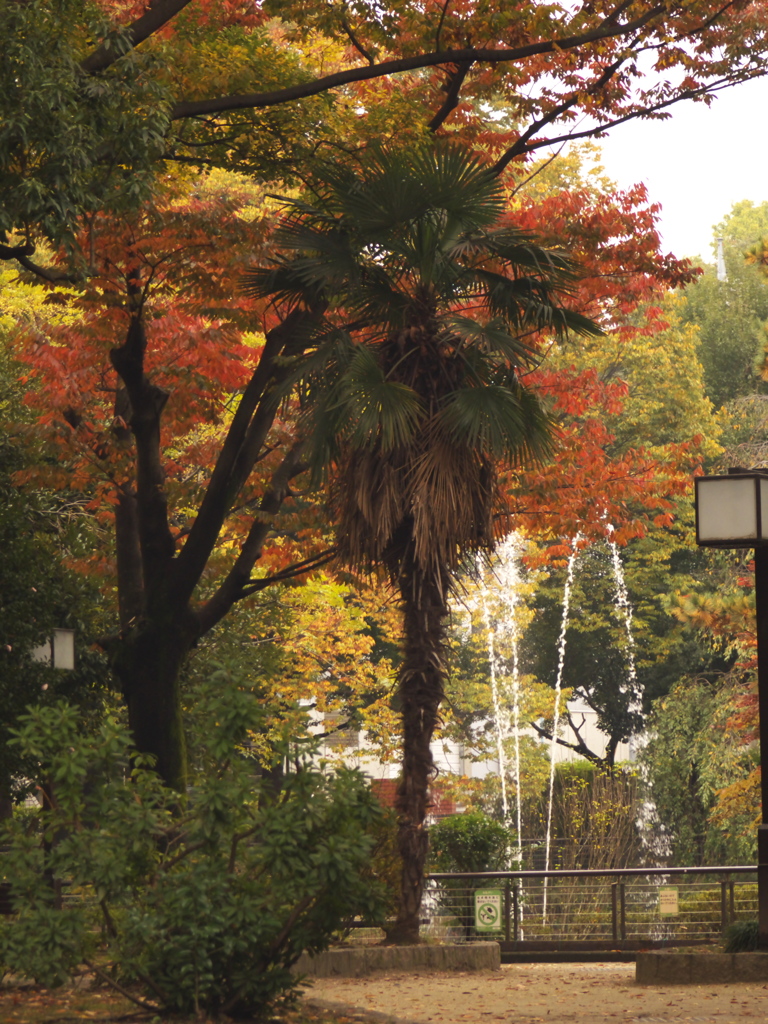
(741,937)
(204,907)
(468,842)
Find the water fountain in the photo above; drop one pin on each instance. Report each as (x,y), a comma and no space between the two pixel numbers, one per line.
(556,721)
(624,606)
(499,605)
(502,635)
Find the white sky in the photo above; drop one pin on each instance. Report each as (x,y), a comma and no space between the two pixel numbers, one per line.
(697,164)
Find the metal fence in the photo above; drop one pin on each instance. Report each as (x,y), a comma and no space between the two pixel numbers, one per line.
(585,909)
(620,908)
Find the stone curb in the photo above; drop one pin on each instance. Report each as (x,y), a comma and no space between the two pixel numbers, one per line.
(360,961)
(700,968)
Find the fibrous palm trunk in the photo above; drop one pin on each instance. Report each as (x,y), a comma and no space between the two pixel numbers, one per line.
(421,689)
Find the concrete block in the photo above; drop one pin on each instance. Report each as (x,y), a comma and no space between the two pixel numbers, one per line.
(700,968)
(359,961)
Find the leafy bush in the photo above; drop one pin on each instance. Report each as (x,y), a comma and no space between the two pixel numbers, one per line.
(468,842)
(205,907)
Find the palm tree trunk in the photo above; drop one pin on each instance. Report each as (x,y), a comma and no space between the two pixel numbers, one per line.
(421,689)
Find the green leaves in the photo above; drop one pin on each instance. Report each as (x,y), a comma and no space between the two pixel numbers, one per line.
(69,144)
(381,412)
(427,305)
(500,418)
(471,841)
(207,907)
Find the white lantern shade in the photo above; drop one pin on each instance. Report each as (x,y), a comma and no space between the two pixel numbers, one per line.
(732,511)
(64,649)
(59,651)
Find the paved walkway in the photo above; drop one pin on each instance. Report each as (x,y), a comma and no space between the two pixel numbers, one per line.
(538,994)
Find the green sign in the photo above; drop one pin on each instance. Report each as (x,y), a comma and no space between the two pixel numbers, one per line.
(488,910)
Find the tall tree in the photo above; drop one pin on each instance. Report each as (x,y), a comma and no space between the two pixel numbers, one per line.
(154,380)
(101,98)
(731,315)
(432,300)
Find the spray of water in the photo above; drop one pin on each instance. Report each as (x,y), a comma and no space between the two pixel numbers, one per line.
(624,609)
(558,689)
(510,579)
(499,607)
(501,717)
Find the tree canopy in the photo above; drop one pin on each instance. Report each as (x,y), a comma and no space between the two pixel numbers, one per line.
(101,98)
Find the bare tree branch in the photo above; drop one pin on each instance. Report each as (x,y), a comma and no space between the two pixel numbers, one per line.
(441,22)
(599,129)
(521,145)
(291,572)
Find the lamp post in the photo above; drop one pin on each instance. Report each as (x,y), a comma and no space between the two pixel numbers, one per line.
(732,512)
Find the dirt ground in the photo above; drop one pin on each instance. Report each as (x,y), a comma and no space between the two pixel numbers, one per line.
(534,993)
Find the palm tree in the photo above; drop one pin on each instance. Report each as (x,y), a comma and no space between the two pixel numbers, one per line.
(415,396)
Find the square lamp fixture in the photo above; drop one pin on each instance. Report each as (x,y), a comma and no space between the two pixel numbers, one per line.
(732,510)
(59,651)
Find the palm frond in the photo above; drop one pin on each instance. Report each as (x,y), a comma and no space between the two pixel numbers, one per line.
(402,187)
(504,420)
(519,249)
(490,338)
(410,389)
(379,413)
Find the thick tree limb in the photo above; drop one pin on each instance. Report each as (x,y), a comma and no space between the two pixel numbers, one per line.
(130,576)
(14,252)
(220,105)
(455,83)
(21,254)
(146,403)
(239,577)
(248,430)
(159,13)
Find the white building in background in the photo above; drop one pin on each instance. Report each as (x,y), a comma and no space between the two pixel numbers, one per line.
(451,757)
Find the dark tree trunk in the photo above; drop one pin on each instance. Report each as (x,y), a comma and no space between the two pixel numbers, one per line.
(6,802)
(148,665)
(159,620)
(421,689)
